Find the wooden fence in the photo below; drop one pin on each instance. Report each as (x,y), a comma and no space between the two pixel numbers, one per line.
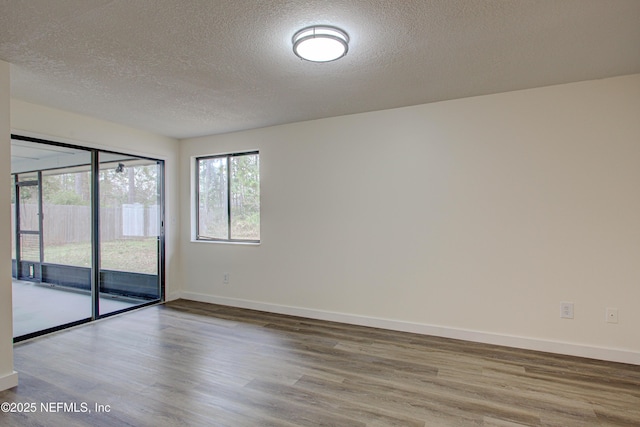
(64,224)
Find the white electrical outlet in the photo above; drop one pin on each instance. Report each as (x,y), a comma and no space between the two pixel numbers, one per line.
(225,278)
(612,315)
(566,310)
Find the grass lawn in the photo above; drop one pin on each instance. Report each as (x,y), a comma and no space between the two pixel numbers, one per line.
(134,255)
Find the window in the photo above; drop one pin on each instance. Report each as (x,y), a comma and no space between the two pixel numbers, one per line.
(228,197)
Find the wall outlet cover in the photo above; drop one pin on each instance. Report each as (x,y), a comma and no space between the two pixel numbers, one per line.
(566,310)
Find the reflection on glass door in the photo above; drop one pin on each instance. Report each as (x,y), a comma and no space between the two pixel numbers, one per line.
(130,225)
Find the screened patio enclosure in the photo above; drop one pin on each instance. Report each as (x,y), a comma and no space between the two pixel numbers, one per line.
(87,234)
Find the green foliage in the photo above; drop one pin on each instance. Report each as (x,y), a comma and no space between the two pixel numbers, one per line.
(66,197)
(66,189)
(135,184)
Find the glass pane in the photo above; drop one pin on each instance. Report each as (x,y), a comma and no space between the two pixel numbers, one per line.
(245,197)
(129,231)
(212,199)
(67,217)
(58,291)
(29,218)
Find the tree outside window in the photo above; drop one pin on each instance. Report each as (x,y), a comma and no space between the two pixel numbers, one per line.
(228,197)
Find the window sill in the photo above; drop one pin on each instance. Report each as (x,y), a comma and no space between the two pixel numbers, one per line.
(223,242)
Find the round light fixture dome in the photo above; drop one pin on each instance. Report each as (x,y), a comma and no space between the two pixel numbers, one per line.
(320,43)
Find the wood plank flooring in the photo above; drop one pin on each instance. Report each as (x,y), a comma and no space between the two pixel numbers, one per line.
(193,364)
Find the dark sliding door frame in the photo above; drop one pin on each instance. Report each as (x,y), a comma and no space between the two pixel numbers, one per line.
(95,233)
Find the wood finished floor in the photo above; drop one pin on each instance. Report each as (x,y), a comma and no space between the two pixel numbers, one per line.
(193,364)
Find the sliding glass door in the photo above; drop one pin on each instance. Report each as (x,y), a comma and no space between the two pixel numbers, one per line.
(87,234)
(52,237)
(130,224)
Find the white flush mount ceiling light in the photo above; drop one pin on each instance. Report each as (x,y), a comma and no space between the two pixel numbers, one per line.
(320,43)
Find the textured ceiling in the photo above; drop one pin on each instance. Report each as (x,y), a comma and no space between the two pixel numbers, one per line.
(186,68)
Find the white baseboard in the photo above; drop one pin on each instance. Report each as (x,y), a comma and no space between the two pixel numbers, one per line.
(580,350)
(9,381)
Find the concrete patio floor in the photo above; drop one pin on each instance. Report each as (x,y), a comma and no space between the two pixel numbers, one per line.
(39,306)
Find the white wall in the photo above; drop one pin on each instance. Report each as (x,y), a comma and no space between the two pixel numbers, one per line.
(471,218)
(8,378)
(47,123)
